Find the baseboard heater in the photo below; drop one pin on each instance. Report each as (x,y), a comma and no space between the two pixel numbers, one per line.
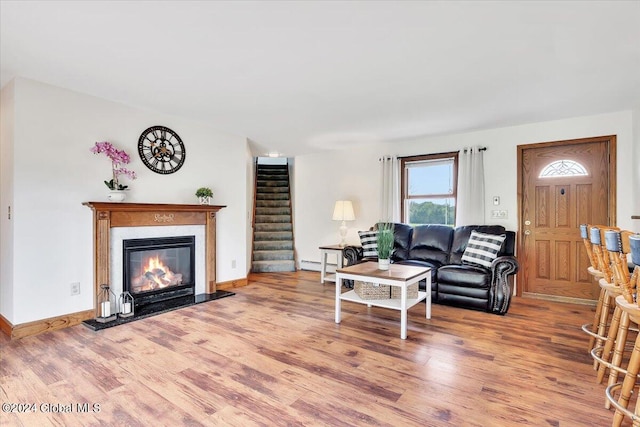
(315,266)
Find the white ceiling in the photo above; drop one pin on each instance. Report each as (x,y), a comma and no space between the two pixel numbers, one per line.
(297,77)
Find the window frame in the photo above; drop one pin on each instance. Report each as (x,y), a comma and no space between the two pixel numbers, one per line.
(404,185)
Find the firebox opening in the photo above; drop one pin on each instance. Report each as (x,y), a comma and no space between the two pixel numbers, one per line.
(157,269)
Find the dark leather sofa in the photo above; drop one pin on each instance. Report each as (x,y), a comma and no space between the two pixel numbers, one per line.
(452,282)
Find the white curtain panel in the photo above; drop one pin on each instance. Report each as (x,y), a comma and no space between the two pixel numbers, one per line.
(390,188)
(470,201)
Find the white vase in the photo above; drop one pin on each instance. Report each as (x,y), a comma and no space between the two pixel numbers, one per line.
(204,200)
(383,264)
(116,196)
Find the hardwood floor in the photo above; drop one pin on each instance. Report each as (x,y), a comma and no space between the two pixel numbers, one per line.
(273,355)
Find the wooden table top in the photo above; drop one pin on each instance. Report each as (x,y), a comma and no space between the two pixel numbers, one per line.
(395,271)
(332,247)
(337,247)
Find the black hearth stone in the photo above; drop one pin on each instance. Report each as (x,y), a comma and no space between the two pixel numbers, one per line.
(158,308)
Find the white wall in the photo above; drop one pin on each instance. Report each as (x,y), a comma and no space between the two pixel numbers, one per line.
(323,178)
(54,172)
(320,180)
(7,124)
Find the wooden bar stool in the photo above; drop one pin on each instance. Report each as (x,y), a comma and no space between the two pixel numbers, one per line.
(617,331)
(592,328)
(617,246)
(631,373)
(594,269)
(634,249)
(630,309)
(586,239)
(597,240)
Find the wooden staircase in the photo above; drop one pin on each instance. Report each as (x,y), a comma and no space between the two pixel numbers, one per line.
(273,228)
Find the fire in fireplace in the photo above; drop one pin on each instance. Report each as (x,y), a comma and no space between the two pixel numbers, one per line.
(157,269)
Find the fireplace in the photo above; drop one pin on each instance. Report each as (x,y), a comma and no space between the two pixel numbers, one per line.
(158,269)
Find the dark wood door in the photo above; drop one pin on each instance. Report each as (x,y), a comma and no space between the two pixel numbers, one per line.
(563,185)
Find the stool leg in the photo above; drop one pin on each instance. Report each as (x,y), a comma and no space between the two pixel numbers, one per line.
(596,319)
(616,360)
(636,421)
(628,383)
(602,326)
(608,345)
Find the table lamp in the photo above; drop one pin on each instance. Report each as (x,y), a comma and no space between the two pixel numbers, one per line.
(343,211)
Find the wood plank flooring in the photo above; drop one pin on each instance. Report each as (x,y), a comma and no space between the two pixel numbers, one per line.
(272,355)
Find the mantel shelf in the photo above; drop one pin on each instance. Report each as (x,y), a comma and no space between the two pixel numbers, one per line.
(151,207)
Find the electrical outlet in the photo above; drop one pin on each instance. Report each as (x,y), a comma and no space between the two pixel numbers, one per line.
(233,263)
(75,288)
(499,214)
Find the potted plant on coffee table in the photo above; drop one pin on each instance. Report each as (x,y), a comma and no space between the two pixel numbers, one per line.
(385,244)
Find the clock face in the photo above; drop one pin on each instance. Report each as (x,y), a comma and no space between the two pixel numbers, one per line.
(161,150)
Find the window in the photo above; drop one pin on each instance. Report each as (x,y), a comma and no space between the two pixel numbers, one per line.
(429,185)
(563,168)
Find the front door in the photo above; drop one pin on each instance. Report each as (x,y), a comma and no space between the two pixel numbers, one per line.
(563,184)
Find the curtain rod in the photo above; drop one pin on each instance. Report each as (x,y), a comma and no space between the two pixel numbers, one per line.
(479,149)
(432,154)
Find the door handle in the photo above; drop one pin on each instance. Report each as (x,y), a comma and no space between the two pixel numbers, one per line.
(527,232)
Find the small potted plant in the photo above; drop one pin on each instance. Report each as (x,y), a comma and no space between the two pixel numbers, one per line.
(385,244)
(204,195)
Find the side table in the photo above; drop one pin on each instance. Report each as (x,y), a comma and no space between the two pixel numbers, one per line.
(324,251)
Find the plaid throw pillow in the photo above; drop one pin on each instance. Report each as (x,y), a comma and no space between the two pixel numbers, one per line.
(482,249)
(368,240)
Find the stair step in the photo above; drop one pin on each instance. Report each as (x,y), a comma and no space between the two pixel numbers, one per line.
(273,226)
(281,210)
(272,168)
(273,245)
(272,174)
(270,219)
(263,189)
(272,235)
(272,266)
(273,183)
(272,177)
(273,255)
(272,196)
(282,203)
(283,170)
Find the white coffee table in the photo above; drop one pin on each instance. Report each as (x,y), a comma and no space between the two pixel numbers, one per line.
(397,275)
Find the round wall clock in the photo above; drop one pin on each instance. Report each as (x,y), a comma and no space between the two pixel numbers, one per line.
(161,150)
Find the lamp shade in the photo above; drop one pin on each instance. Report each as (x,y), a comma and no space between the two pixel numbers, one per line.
(343,211)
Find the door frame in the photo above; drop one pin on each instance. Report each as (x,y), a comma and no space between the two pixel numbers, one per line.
(610,140)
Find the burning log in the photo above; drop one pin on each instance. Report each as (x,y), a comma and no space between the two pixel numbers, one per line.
(155,275)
